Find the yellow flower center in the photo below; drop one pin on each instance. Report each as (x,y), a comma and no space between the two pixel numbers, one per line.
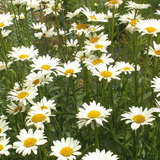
(35,82)
(134,22)
(93,17)
(157,52)
(126,68)
(139,118)
(18,108)
(113,2)
(29,142)
(1,147)
(23,56)
(66,151)
(94,29)
(82,26)
(69,71)
(1,25)
(45,67)
(43,107)
(106,74)
(44,35)
(22,95)
(97,61)
(82,57)
(93,114)
(38,118)
(99,46)
(150,29)
(0,130)
(3,66)
(93,40)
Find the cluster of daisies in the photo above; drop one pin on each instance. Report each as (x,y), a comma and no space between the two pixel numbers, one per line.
(94,56)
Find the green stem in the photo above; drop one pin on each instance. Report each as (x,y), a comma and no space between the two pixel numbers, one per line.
(96,136)
(102,101)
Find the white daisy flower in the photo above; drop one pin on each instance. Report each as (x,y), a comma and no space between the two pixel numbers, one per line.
(46,64)
(81,55)
(126,67)
(5,33)
(53,7)
(113,3)
(90,113)
(157,12)
(38,118)
(37,79)
(101,45)
(14,108)
(150,26)
(66,149)
(44,104)
(69,69)
(72,43)
(45,33)
(79,28)
(70,15)
(3,127)
(29,141)
(37,26)
(94,28)
(138,117)
(23,53)
(155,50)
(100,155)
(4,66)
(21,16)
(4,146)
(93,16)
(24,95)
(19,2)
(5,20)
(32,4)
(156,85)
(157,109)
(93,60)
(133,5)
(105,72)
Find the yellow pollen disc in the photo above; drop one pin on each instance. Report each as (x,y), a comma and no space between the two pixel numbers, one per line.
(38,118)
(150,29)
(45,67)
(126,68)
(37,29)
(23,56)
(69,71)
(82,57)
(139,118)
(0,130)
(43,107)
(82,26)
(93,40)
(106,74)
(134,22)
(1,147)
(18,108)
(66,151)
(93,17)
(113,2)
(22,95)
(94,29)
(99,46)
(35,82)
(97,61)
(3,66)
(1,25)
(157,52)
(93,114)
(29,142)
(44,35)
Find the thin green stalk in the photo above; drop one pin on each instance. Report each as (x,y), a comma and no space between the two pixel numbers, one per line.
(134,146)
(96,136)
(102,101)
(40,155)
(146,68)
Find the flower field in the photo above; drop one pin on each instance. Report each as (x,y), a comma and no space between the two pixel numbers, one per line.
(79,80)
